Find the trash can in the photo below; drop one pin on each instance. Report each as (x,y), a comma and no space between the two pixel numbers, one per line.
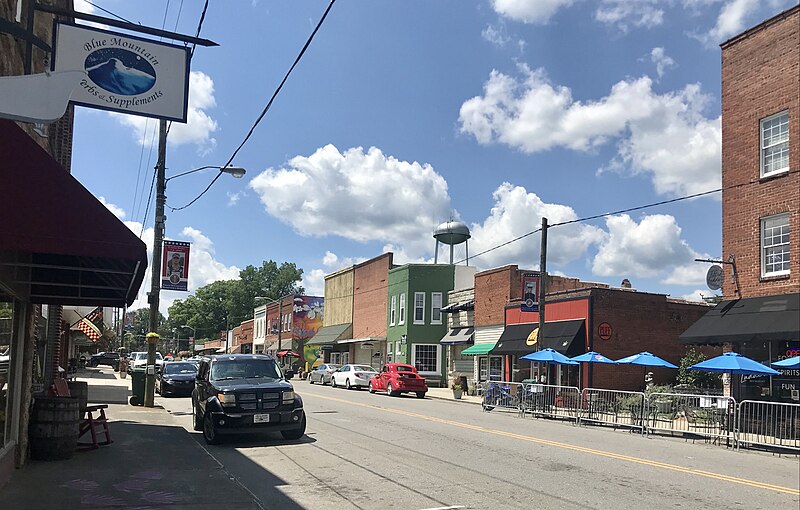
(137,386)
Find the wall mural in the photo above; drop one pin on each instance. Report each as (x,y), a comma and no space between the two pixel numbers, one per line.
(308,315)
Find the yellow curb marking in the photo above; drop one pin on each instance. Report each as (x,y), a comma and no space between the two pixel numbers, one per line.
(611,455)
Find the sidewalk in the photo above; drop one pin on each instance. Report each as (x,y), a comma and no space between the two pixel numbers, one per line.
(447,394)
(152,463)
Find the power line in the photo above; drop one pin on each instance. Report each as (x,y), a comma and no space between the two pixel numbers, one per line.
(266,108)
(111,13)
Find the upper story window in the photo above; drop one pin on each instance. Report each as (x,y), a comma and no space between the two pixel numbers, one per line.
(392,309)
(419,308)
(436,308)
(775,245)
(402,309)
(775,144)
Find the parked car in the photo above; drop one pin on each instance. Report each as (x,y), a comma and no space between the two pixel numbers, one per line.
(353,376)
(110,359)
(398,378)
(322,374)
(245,393)
(176,378)
(140,361)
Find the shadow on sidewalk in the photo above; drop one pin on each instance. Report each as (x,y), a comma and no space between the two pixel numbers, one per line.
(147,466)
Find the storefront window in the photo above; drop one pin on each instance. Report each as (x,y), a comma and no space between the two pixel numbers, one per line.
(6,336)
(782,388)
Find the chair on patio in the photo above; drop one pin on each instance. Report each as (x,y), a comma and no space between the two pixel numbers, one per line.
(89,422)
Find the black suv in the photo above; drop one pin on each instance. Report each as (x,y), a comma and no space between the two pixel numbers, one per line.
(105,358)
(245,393)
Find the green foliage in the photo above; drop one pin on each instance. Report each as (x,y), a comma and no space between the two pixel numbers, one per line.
(455,385)
(696,378)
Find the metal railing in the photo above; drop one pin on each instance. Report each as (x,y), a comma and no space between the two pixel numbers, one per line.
(500,395)
(550,401)
(613,407)
(707,416)
(770,424)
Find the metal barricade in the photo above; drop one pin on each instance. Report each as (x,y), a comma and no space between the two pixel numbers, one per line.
(770,424)
(550,401)
(613,407)
(708,416)
(501,395)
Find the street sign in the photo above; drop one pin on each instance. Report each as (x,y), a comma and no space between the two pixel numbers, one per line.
(326,347)
(715,277)
(530,292)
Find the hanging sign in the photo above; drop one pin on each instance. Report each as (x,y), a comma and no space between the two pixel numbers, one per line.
(124,73)
(530,292)
(715,277)
(175,266)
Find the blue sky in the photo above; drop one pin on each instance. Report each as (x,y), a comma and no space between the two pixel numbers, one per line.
(404,114)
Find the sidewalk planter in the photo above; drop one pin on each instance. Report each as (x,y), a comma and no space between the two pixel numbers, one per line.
(53,432)
(457,393)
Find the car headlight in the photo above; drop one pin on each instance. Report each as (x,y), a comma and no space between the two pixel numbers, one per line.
(288,397)
(226,400)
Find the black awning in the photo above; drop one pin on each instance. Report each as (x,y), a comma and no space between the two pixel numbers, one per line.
(519,339)
(763,319)
(58,243)
(458,336)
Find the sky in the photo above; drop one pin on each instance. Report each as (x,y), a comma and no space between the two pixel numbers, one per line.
(405,114)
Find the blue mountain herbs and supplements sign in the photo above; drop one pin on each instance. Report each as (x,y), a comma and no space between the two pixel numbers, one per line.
(124,74)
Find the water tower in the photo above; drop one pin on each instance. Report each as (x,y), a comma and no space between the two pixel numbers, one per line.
(452,233)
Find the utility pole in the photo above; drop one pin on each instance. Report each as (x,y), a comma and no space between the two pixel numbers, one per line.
(155,267)
(543,285)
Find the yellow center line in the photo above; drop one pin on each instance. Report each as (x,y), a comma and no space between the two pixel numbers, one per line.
(582,449)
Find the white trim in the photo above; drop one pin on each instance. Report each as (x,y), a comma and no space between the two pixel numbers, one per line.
(438,358)
(414,317)
(402,319)
(393,310)
(762,148)
(433,307)
(762,222)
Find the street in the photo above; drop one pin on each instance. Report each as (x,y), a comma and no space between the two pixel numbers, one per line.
(375,451)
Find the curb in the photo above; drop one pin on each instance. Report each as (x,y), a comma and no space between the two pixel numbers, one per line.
(451,399)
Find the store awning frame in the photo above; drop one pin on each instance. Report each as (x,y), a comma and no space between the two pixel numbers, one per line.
(331,334)
(755,319)
(479,349)
(522,339)
(458,336)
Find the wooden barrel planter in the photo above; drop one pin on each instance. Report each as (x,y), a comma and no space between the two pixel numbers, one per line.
(53,432)
(80,389)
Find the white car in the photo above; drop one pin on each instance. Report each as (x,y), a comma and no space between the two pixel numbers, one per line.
(139,359)
(353,376)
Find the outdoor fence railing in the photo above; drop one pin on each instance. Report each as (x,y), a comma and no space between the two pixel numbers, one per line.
(707,416)
(771,424)
(501,395)
(551,401)
(613,407)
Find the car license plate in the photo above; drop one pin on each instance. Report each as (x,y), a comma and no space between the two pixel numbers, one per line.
(260,418)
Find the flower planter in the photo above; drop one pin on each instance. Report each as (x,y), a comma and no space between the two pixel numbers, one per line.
(457,394)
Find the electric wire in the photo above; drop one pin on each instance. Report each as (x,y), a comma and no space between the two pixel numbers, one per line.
(266,108)
(111,13)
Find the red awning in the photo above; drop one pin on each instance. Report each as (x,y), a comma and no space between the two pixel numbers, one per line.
(58,243)
(292,354)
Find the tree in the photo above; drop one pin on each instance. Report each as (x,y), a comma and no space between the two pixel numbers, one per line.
(696,378)
(134,335)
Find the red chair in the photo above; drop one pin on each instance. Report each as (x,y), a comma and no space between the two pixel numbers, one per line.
(89,422)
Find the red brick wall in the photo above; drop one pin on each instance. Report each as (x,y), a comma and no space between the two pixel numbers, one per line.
(370,295)
(760,77)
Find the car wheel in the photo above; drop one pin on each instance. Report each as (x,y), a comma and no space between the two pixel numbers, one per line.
(310,380)
(371,389)
(295,434)
(347,384)
(333,382)
(210,430)
(420,394)
(198,423)
(391,391)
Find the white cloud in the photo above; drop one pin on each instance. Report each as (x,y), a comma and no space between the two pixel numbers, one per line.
(735,17)
(496,35)
(87,8)
(690,273)
(662,61)
(623,13)
(233,198)
(118,211)
(646,249)
(664,135)
(358,195)
(530,11)
(697,295)
(517,212)
(314,282)
(199,124)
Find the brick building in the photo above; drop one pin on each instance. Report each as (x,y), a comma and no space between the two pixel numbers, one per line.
(242,338)
(760,316)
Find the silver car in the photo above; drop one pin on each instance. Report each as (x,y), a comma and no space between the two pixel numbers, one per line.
(322,374)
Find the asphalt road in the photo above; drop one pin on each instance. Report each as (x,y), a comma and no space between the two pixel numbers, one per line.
(374,451)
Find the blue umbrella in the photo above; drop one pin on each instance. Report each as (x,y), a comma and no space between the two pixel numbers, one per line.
(593,357)
(734,363)
(549,356)
(646,359)
(788,363)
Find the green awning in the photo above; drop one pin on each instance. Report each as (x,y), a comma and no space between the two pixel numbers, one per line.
(330,334)
(478,349)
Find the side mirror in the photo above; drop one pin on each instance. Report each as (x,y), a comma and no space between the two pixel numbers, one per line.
(288,374)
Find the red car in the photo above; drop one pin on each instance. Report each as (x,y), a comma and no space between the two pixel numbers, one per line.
(397,378)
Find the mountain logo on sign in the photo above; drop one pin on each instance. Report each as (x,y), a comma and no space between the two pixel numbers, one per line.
(120,71)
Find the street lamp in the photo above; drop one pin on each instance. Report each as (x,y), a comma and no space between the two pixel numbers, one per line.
(153,296)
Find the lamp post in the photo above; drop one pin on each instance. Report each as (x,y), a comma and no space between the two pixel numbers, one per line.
(153,296)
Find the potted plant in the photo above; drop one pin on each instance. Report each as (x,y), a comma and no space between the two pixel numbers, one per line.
(457,390)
